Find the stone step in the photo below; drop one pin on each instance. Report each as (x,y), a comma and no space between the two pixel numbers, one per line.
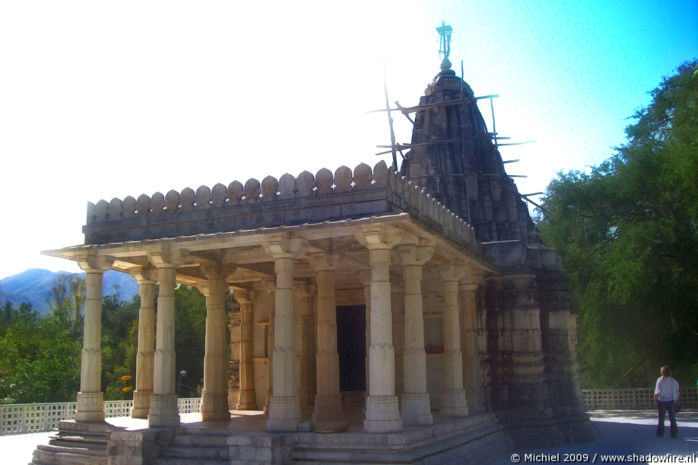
(81,436)
(78,441)
(196,452)
(346,457)
(45,456)
(71,449)
(188,461)
(481,442)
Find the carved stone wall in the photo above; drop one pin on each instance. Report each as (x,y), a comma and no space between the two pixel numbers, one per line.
(527,360)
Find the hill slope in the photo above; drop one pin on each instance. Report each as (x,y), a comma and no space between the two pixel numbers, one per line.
(34,286)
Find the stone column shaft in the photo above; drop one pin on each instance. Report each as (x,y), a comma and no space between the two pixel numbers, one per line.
(163,403)
(472,378)
(284,408)
(246,398)
(328,402)
(214,403)
(145,355)
(304,337)
(365,279)
(90,405)
(453,400)
(382,412)
(416,407)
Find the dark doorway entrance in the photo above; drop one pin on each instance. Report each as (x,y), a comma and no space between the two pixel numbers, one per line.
(351,347)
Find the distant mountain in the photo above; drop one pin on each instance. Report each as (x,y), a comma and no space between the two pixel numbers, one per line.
(34,286)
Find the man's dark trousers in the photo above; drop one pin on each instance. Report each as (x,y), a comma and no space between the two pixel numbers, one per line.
(663,408)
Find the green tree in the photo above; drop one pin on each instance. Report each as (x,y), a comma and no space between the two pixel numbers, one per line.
(119,318)
(39,359)
(628,234)
(40,356)
(190,333)
(67,299)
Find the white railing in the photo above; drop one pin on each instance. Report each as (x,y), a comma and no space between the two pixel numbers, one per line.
(630,399)
(35,418)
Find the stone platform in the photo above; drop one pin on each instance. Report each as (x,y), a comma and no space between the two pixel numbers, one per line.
(476,438)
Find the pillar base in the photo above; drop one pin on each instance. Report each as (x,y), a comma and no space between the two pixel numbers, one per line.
(453,403)
(247,400)
(382,414)
(90,407)
(284,414)
(163,410)
(476,403)
(416,409)
(214,406)
(141,404)
(328,407)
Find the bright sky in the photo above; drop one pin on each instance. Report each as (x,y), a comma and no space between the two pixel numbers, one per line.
(108,99)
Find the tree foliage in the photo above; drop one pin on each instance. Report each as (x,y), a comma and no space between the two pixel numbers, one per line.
(190,334)
(628,234)
(67,300)
(40,356)
(39,359)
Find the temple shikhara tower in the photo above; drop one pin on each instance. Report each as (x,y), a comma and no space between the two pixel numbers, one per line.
(380,314)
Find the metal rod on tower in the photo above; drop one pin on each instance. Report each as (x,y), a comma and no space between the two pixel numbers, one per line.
(494,125)
(390,122)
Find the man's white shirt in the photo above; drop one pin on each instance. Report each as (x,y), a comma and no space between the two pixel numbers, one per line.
(667,389)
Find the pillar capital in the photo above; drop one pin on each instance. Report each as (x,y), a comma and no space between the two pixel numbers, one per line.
(304,290)
(284,246)
(452,272)
(145,275)
(323,261)
(266,285)
(471,282)
(166,256)
(379,237)
(212,286)
(415,255)
(215,270)
(244,296)
(89,261)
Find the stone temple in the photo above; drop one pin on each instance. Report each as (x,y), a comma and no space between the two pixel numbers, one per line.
(383,315)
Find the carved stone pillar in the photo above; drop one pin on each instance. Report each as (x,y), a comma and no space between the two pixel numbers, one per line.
(269,287)
(163,403)
(304,342)
(90,401)
(214,402)
(246,399)
(365,279)
(470,339)
(382,411)
(284,408)
(235,336)
(397,310)
(328,401)
(146,344)
(453,401)
(416,408)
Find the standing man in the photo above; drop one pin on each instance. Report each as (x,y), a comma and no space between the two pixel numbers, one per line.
(666,398)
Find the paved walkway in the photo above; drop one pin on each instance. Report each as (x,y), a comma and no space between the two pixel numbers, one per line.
(622,432)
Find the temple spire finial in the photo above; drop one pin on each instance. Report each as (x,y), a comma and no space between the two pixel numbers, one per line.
(445,44)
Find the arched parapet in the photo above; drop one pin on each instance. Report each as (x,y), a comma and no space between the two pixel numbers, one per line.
(342,194)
